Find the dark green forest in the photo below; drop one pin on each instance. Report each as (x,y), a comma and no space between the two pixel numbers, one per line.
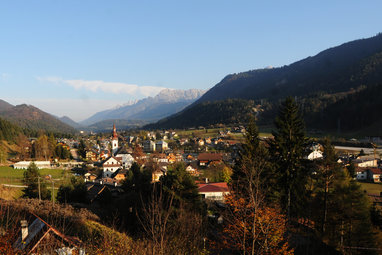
(339,89)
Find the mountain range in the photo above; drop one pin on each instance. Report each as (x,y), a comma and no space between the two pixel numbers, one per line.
(337,90)
(149,109)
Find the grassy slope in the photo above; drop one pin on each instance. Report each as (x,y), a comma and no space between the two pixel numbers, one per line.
(371,188)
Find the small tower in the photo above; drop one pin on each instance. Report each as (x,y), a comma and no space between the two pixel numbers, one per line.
(114,141)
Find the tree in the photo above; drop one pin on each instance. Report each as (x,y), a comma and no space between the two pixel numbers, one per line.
(260,231)
(251,226)
(327,172)
(42,147)
(35,186)
(73,191)
(24,145)
(82,149)
(288,149)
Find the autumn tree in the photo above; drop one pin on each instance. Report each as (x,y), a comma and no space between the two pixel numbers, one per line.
(42,148)
(24,146)
(251,225)
(260,231)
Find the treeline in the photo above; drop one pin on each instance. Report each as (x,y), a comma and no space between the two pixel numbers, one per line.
(9,131)
(280,202)
(230,111)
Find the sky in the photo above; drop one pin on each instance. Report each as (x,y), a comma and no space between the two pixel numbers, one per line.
(76,58)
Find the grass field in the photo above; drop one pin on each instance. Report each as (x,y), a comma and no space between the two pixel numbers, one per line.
(8,175)
(371,188)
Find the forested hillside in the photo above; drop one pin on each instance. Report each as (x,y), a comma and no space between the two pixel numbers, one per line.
(32,118)
(338,89)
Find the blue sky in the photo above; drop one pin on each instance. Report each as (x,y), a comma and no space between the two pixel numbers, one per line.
(75,58)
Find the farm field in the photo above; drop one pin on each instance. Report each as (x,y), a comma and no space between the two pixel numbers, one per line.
(8,175)
(371,188)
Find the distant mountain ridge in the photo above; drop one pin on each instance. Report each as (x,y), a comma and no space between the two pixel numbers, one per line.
(319,83)
(70,122)
(32,118)
(167,102)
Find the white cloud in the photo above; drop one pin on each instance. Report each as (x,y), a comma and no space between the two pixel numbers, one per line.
(106,87)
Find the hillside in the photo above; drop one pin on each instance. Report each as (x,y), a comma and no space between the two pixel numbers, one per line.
(30,117)
(167,102)
(107,125)
(230,111)
(324,85)
(70,122)
(8,131)
(4,105)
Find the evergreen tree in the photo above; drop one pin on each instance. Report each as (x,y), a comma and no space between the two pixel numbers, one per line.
(253,166)
(328,171)
(74,191)
(34,183)
(82,149)
(288,151)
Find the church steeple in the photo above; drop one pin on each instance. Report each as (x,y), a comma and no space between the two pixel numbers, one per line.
(114,132)
(114,141)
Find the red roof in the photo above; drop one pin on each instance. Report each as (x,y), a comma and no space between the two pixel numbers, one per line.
(213,187)
(210,157)
(375,170)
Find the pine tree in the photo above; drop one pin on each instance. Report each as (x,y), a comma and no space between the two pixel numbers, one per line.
(35,186)
(251,168)
(288,150)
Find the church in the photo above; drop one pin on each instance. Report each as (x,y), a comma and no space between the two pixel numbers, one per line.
(119,159)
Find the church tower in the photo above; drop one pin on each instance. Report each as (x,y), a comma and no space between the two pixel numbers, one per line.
(114,141)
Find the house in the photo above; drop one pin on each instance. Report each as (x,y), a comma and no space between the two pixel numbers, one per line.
(361,174)
(374,174)
(39,237)
(193,171)
(126,159)
(120,175)
(90,177)
(365,162)
(200,142)
(25,164)
(161,145)
(213,191)
(160,158)
(171,158)
(91,155)
(315,154)
(110,166)
(205,159)
(149,146)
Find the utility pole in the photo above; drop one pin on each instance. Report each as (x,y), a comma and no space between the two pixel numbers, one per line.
(52,194)
(39,191)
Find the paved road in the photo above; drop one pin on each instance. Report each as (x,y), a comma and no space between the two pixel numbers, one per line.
(14,186)
(366,150)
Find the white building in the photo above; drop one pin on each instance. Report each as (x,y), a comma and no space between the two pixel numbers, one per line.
(316,154)
(126,159)
(110,166)
(149,146)
(25,164)
(161,145)
(213,191)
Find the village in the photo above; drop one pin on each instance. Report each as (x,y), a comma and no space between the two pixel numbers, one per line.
(106,161)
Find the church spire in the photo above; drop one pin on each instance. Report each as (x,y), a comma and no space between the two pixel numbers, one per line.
(114,131)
